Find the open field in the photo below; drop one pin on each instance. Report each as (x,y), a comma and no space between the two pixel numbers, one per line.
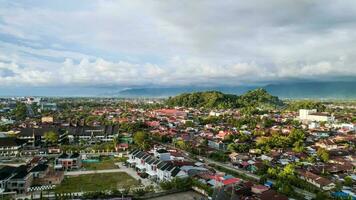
(96,182)
(105,163)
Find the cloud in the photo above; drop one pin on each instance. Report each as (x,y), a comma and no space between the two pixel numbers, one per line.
(131,43)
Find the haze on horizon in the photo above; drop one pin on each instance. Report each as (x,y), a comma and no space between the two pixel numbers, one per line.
(175,43)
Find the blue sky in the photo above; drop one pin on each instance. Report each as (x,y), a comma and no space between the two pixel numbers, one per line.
(175,43)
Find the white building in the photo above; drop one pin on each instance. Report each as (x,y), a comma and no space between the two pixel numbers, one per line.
(313,115)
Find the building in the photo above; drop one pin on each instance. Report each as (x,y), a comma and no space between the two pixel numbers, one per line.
(316,180)
(15,179)
(157,170)
(48,106)
(218,145)
(92,133)
(5,175)
(68,162)
(314,116)
(47,120)
(10,146)
(35,136)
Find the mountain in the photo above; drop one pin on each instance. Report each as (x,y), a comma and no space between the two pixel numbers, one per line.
(293,90)
(215,99)
(296,90)
(314,90)
(172,91)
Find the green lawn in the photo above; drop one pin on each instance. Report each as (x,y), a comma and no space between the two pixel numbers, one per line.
(105,163)
(96,182)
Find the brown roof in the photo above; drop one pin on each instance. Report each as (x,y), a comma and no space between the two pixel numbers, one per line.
(318,179)
(272,195)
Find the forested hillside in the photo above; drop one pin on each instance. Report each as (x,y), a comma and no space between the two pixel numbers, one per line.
(215,99)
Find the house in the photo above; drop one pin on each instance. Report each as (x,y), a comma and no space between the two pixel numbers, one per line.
(68,162)
(122,147)
(313,115)
(272,194)
(21,180)
(327,144)
(157,169)
(47,120)
(316,180)
(171,113)
(218,145)
(10,146)
(167,170)
(92,134)
(162,154)
(259,189)
(40,170)
(35,136)
(48,106)
(6,173)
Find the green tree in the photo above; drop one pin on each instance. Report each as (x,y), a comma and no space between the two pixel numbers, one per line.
(20,111)
(323,154)
(348,181)
(140,139)
(51,137)
(296,135)
(181,144)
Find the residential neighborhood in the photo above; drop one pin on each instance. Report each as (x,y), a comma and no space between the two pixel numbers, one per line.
(284,152)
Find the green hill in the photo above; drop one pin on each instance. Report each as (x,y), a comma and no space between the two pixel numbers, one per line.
(216,99)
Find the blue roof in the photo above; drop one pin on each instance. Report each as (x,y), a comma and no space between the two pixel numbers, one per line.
(228,177)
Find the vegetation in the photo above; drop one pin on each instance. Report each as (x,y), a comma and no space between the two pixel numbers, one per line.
(215,99)
(140,138)
(305,104)
(105,163)
(20,111)
(51,137)
(96,182)
(177,183)
(323,154)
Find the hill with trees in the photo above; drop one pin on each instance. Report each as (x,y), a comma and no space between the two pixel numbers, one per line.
(216,99)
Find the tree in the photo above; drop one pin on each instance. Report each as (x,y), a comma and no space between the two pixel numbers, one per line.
(116,141)
(296,135)
(348,181)
(323,154)
(20,111)
(140,139)
(181,144)
(51,137)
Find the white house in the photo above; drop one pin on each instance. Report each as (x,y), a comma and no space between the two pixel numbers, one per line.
(313,115)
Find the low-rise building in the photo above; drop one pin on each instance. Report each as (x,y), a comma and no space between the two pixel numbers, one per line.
(68,161)
(317,180)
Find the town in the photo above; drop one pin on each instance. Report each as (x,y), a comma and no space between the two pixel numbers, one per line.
(205,145)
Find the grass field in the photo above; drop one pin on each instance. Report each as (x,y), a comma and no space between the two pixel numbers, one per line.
(105,163)
(96,182)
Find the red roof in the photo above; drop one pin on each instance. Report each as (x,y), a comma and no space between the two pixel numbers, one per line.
(230,181)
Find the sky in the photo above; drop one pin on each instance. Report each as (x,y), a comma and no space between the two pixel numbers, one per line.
(68,43)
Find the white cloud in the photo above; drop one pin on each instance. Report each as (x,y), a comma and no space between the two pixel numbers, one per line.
(176,42)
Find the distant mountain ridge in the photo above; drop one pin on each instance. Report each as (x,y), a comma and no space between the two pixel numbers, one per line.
(312,90)
(296,90)
(327,90)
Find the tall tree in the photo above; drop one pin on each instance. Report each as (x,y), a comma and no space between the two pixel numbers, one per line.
(140,139)
(51,137)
